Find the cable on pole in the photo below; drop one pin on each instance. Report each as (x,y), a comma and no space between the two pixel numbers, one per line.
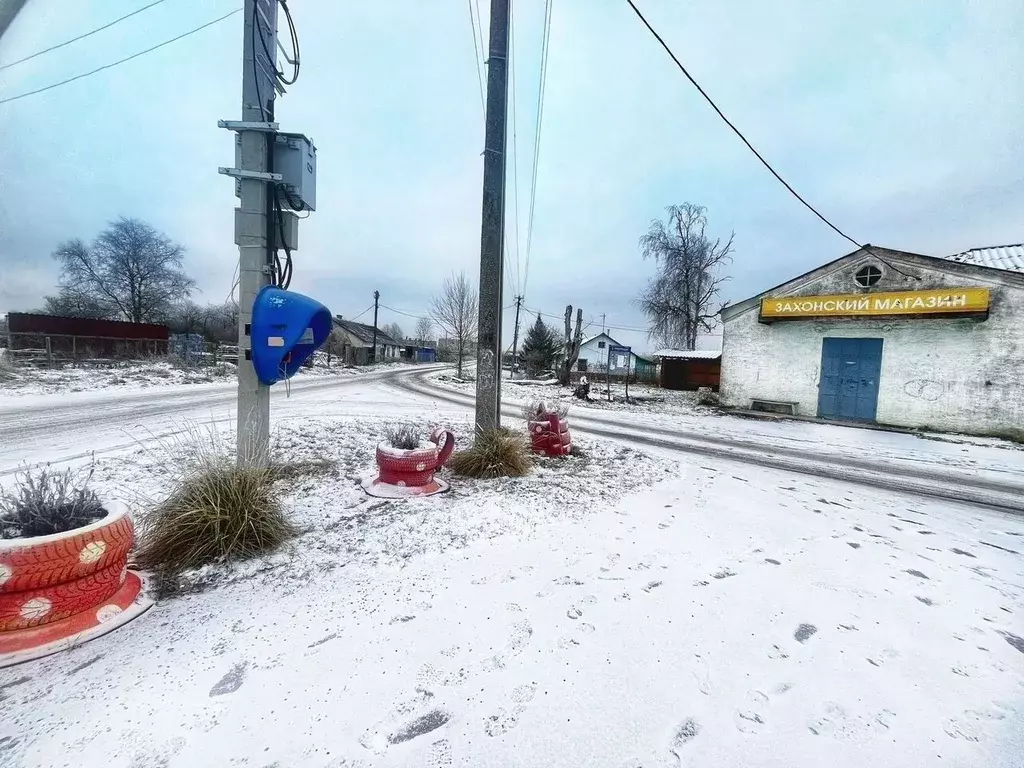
(80,37)
(515,155)
(758,155)
(120,61)
(539,121)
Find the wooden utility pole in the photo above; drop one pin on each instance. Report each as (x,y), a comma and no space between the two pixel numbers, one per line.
(515,333)
(492,240)
(376,305)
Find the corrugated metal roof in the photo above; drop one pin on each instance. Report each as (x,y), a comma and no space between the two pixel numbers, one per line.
(1010,257)
(689,354)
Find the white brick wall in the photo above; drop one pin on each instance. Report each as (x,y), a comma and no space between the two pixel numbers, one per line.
(959,375)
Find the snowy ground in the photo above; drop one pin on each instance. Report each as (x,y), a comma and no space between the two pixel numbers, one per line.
(135,376)
(637,609)
(640,608)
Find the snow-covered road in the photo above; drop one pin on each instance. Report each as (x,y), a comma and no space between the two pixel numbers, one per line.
(981,472)
(54,428)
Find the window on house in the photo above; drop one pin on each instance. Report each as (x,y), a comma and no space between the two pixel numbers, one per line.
(867,276)
(600,345)
(581,365)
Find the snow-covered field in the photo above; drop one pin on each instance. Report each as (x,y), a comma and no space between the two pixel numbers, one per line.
(633,609)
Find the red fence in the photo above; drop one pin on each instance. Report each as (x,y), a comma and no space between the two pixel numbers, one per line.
(80,337)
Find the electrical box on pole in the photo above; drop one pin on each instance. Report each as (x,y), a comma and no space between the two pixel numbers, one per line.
(295,160)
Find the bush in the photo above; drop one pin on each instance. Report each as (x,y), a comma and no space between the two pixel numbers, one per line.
(705,396)
(405,437)
(496,453)
(217,512)
(8,372)
(44,502)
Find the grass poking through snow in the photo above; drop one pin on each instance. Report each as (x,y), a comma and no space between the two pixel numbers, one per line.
(495,453)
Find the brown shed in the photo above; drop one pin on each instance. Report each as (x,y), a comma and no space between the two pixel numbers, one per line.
(690,369)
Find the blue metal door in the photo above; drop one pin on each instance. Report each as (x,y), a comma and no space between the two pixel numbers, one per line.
(848,388)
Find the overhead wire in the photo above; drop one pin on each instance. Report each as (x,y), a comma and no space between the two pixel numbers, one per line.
(515,145)
(539,122)
(478,54)
(120,61)
(80,37)
(353,319)
(758,155)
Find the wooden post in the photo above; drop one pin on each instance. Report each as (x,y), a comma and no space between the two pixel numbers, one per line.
(49,354)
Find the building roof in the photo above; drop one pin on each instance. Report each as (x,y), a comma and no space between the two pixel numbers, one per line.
(598,336)
(689,354)
(364,332)
(1009,257)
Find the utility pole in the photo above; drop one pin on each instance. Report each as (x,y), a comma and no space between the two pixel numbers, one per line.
(492,239)
(255,191)
(515,333)
(8,10)
(376,305)
(603,316)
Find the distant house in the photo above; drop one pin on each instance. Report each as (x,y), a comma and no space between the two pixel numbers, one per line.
(357,343)
(689,369)
(593,359)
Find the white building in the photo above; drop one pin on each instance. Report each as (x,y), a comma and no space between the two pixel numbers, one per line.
(887,336)
(594,357)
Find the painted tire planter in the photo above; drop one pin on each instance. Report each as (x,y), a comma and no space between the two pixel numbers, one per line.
(410,472)
(64,588)
(550,435)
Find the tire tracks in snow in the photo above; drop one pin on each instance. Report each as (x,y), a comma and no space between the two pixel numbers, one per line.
(946,485)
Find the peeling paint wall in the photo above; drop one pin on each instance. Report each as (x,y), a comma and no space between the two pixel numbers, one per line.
(961,375)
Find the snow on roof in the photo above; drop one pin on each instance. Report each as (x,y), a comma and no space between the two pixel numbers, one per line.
(1009,257)
(690,354)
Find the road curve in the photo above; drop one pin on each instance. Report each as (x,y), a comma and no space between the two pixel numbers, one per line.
(945,484)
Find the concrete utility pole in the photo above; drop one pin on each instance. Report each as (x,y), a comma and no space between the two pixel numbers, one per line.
(515,333)
(376,305)
(492,240)
(256,199)
(8,10)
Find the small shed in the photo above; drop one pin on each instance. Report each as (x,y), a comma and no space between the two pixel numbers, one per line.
(689,369)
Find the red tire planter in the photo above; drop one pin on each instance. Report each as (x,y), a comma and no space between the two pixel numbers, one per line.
(411,472)
(74,581)
(550,435)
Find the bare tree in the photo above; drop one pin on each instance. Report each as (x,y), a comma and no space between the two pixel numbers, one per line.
(424,329)
(573,342)
(455,311)
(73,303)
(394,330)
(130,267)
(681,300)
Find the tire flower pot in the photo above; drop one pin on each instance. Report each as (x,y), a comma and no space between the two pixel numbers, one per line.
(410,472)
(549,435)
(60,590)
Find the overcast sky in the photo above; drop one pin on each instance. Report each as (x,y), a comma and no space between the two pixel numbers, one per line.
(902,121)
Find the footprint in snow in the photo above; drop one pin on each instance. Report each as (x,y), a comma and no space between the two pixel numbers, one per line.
(231,682)
(804,632)
(750,717)
(682,735)
(501,722)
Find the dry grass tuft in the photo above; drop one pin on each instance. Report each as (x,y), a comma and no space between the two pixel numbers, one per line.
(217,511)
(535,410)
(495,453)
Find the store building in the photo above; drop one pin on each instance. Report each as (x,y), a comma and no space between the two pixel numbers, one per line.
(887,336)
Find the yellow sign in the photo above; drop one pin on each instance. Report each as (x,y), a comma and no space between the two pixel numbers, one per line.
(945,301)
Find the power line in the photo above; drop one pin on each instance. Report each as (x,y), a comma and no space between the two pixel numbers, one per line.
(361,313)
(536,136)
(477,55)
(121,61)
(413,315)
(81,37)
(750,146)
(515,142)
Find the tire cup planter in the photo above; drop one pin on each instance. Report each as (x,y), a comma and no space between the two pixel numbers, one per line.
(403,473)
(550,435)
(61,590)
